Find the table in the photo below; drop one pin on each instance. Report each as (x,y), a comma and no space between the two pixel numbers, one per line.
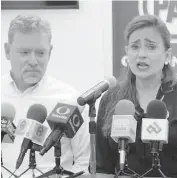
(98,175)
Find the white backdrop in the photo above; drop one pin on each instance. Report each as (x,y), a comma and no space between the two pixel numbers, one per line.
(82,41)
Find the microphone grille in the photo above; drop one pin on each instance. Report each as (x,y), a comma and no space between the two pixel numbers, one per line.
(111,80)
(125,107)
(156,109)
(8,110)
(37,112)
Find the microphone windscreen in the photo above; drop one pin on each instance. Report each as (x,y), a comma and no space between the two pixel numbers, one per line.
(156,109)
(125,107)
(37,112)
(8,111)
(111,81)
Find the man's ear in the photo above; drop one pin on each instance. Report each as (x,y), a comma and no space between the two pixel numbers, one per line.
(7,50)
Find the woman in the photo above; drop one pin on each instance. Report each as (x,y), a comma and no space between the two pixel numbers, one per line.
(149,77)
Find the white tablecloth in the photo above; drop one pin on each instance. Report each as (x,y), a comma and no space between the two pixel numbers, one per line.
(98,175)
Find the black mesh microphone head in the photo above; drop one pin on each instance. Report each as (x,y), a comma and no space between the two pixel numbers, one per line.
(37,112)
(156,109)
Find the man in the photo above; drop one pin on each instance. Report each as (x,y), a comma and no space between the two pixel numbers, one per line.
(28,49)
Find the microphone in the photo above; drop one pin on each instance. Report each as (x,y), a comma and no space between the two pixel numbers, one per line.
(7,126)
(64,119)
(32,129)
(155,127)
(97,90)
(123,130)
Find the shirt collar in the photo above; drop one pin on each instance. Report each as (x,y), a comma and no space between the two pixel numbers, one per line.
(13,84)
(166,87)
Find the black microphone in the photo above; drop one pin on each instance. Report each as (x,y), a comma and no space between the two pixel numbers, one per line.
(35,131)
(97,90)
(65,120)
(155,127)
(7,126)
(156,109)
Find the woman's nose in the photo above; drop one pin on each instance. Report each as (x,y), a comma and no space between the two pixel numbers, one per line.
(142,52)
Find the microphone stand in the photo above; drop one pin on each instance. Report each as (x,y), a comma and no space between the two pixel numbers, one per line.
(58,170)
(32,163)
(124,168)
(122,172)
(92,131)
(2,136)
(6,169)
(155,160)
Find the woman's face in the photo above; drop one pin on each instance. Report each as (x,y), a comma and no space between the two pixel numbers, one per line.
(146,53)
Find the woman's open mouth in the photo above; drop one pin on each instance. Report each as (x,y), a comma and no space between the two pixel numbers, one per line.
(142,65)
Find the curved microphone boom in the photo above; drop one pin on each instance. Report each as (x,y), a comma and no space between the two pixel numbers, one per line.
(97,90)
(35,131)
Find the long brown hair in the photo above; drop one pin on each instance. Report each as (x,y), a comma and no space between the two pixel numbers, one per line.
(126,88)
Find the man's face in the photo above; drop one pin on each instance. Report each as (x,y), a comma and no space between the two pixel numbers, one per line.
(29,55)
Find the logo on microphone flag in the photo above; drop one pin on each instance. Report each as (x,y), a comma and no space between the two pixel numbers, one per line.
(22,127)
(32,130)
(39,133)
(8,127)
(154,127)
(67,117)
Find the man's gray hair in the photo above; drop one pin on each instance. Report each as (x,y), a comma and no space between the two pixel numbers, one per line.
(28,24)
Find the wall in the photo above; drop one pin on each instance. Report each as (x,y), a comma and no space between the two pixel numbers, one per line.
(82,41)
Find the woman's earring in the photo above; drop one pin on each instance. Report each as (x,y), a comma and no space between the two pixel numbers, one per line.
(166,63)
(124,61)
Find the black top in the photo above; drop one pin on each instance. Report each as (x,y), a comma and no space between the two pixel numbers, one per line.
(139,157)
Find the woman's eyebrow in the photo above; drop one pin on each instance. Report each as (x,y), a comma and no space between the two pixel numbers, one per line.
(148,40)
(136,41)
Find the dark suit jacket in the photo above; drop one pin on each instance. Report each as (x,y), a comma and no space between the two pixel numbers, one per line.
(139,156)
